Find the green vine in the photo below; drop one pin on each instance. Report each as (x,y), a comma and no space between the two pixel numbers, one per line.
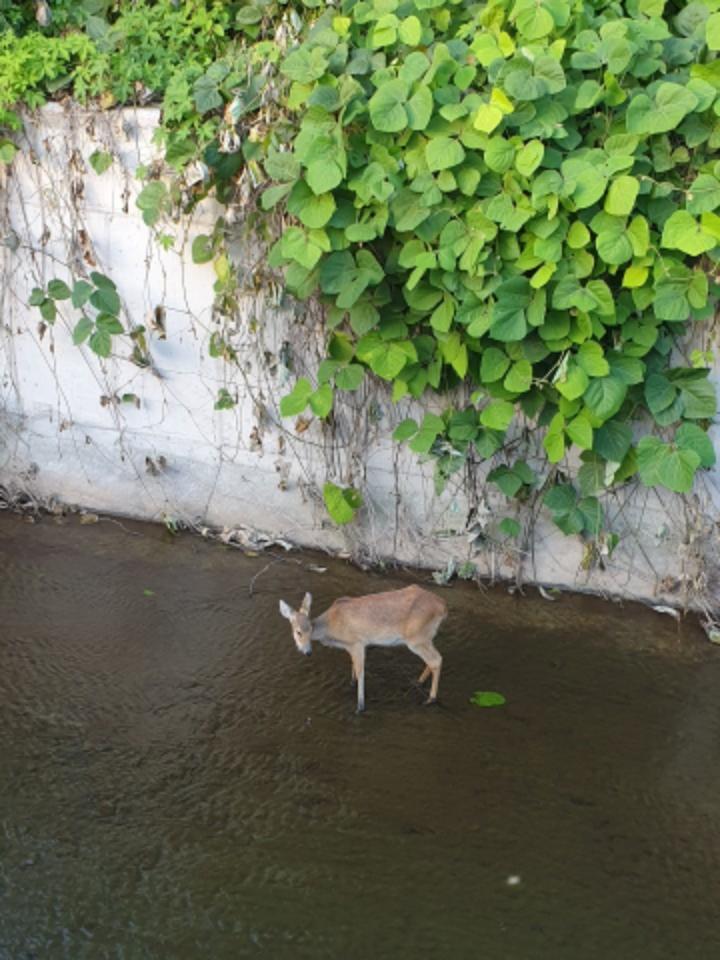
(519,196)
(512,201)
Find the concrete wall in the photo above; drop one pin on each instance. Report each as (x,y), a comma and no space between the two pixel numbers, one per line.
(63,434)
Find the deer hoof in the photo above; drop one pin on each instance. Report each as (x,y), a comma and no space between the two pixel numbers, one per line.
(431,701)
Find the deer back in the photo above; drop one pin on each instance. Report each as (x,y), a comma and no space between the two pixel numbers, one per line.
(394,616)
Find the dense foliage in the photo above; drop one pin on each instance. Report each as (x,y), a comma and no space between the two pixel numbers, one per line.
(517,195)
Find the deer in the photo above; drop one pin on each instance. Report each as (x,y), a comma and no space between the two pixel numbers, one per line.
(409,617)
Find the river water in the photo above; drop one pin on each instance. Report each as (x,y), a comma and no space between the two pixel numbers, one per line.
(176,781)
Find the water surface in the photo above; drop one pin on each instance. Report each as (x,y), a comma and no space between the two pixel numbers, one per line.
(177,782)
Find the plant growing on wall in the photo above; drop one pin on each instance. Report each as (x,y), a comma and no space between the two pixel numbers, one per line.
(519,197)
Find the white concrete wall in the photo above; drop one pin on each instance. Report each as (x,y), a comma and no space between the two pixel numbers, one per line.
(246,468)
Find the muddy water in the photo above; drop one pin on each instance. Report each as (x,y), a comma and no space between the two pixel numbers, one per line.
(177,782)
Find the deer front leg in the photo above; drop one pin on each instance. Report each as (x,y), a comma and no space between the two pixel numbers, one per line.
(358,659)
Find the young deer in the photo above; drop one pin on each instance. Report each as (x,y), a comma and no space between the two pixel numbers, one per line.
(409,617)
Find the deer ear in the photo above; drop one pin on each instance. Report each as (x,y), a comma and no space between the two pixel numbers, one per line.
(286,610)
(305,608)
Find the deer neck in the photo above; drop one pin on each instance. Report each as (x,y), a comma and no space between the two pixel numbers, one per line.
(321,634)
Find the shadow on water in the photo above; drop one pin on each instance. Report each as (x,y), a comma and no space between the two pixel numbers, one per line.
(176,782)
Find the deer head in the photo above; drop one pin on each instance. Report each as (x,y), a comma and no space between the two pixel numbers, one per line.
(300,623)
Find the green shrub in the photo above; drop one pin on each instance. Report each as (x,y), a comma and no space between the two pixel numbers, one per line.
(518,195)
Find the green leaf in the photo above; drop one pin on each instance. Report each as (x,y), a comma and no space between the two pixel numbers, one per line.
(387,364)
(605,396)
(509,321)
(614,248)
(659,393)
(592,514)
(321,401)
(419,108)
(592,475)
(100,161)
(683,232)
(83,329)
(578,235)
(295,402)
(487,118)
(410,31)
(712,31)
(534,22)
(506,479)
(442,316)
(509,526)
(580,432)
(454,352)
(101,281)
(109,324)
(699,399)
(670,106)
(560,498)
(101,343)
(224,401)
(81,293)
(153,201)
(591,359)
(342,504)
(202,249)
(59,290)
(573,384)
(612,441)
(302,65)
(659,463)
(529,158)
(384,31)
(105,300)
(691,437)
(441,153)
(494,365)
(387,107)
(350,377)
(677,469)
(405,430)
(295,244)
(499,154)
(519,377)
(621,196)
(48,310)
(497,414)
(37,296)
(487,698)
(7,151)
(704,194)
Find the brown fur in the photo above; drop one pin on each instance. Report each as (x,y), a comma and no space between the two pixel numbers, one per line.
(409,617)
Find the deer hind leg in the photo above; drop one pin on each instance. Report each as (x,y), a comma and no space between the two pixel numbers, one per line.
(424,675)
(428,652)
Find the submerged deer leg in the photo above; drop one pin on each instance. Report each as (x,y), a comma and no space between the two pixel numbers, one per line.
(358,659)
(427,651)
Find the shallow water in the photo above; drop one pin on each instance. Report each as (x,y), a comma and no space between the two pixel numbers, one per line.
(177,782)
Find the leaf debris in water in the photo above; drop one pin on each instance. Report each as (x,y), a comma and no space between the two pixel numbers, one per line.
(487,698)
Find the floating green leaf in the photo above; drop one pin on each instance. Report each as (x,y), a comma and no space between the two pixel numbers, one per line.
(487,698)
